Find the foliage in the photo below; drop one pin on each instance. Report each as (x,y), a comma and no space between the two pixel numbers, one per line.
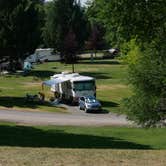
(48,34)
(20,24)
(140,29)
(62,17)
(147,74)
(130,52)
(70,47)
(95,41)
(126,19)
(96,28)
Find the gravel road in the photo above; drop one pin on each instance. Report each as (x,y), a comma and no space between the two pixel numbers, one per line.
(74,117)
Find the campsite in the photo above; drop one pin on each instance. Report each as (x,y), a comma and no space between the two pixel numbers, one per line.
(110,80)
(111,89)
(82,83)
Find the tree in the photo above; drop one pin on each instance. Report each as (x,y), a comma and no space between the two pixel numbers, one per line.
(70,48)
(20,27)
(62,16)
(147,71)
(95,41)
(145,22)
(126,19)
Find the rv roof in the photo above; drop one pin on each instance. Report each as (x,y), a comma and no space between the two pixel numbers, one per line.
(44,49)
(72,77)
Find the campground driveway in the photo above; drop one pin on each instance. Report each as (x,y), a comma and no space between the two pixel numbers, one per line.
(75,117)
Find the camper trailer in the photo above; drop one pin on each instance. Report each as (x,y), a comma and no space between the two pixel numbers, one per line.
(72,86)
(46,54)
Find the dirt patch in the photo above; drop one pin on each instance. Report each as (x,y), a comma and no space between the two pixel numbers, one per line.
(60,109)
(32,84)
(88,69)
(1,88)
(19,109)
(111,87)
(72,157)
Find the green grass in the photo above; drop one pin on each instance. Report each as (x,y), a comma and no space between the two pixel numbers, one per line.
(52,145)
(82,137)
(110,75)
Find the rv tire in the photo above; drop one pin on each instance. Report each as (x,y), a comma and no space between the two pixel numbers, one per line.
(86,110)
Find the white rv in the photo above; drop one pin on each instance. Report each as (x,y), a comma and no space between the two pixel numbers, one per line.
(72,86)
(46,54)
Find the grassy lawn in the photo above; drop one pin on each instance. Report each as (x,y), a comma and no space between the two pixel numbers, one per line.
(82,137)
(110,76)
(51,145)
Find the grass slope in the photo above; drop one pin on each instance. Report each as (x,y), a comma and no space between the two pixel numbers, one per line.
(51,145)
(82,137)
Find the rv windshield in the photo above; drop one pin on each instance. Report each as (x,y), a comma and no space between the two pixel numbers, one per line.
(84,85)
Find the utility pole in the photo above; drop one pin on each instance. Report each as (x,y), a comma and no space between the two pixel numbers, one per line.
(73,68)
(73,71)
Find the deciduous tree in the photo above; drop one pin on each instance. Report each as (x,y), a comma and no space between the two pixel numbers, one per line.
(62,16)
(144,21)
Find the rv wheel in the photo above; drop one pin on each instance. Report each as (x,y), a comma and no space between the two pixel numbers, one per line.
(86,110)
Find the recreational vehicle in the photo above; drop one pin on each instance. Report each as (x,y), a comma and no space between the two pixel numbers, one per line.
(46,54)
(72,86)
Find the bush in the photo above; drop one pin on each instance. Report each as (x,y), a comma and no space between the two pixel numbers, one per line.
(147,74)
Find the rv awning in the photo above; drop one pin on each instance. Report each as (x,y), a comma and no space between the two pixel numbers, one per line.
(53,82)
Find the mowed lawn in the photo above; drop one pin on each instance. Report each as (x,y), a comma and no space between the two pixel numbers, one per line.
(51,145)
(110,78)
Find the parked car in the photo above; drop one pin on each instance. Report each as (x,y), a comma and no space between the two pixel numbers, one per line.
(111,53)
(43,55)
(89,103)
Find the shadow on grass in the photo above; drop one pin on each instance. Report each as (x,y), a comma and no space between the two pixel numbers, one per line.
(10,102)
(23,136)
(109,104)
(54,67)
(106,104)
(100,62)
(41,74)
(96,75)
(103,111)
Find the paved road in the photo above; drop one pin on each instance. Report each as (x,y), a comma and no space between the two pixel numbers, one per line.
(75,117)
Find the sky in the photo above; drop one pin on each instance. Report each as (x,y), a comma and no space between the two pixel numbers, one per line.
(82,1)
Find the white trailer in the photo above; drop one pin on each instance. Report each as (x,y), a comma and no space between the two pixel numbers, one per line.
(72,86)
(46,54)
